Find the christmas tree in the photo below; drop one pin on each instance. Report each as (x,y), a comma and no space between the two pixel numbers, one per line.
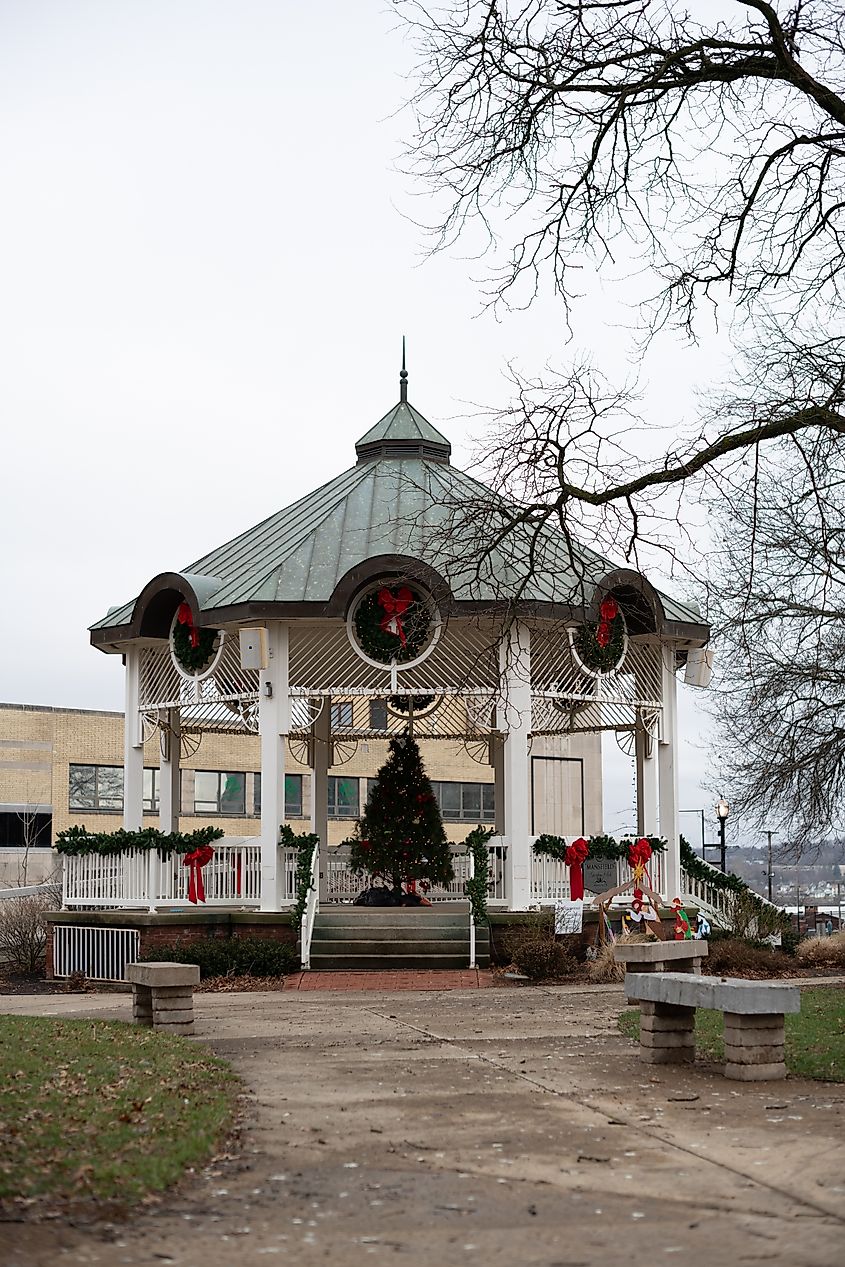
(400,838)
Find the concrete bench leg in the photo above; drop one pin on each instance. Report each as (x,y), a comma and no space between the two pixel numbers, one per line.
(754,1047)
(142,1005)
(667,1034)
(173,1009)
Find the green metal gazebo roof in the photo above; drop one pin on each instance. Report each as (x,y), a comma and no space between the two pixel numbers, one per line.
(403,500)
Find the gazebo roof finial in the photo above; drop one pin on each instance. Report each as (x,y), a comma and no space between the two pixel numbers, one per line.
(403,377)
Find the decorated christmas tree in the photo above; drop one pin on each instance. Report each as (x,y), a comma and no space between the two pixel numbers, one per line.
(400,838)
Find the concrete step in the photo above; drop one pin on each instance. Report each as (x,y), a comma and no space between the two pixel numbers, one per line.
(386,946)
(352,963)
(406,917)
(394,932)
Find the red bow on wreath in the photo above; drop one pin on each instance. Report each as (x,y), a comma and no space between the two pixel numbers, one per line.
(575,857)
(395,606)
(609,610)
(196,860)
(184,617)
(639,856)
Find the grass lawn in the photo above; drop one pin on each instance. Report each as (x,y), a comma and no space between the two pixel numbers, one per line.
(98,1110)
(815,1038)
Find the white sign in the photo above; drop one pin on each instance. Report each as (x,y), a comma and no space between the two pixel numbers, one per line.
(569,917)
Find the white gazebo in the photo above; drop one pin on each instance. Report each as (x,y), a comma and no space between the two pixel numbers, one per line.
(373,588)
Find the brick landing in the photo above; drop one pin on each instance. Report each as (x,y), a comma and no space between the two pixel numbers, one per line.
(435,979)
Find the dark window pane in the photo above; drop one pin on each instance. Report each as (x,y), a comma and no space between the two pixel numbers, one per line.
(471,807)
(256,795)
(293,796)
(233,794)
(82,793)
(378,714)
(449,796)
(343,797)
(488,802)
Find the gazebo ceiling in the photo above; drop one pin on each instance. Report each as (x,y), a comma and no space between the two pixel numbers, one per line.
(403,508)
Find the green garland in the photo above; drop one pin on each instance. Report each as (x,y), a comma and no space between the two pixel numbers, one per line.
(304,843)
(382,646)
(79,841)
(476,888)
(605,847)
(402,703)
(193,659)
(592,655)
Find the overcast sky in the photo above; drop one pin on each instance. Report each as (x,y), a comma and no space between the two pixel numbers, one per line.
(209,256)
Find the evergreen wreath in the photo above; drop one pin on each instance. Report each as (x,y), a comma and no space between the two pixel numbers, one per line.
(402,703)
(393,622)
(193,648)
(600,645)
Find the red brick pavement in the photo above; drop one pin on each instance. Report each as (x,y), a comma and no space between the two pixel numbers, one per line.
(422,979)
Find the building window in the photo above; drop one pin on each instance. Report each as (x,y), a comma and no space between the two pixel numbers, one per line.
(293,796)
(151,785)
(378,715)
(343,797)
(218,792)
(342,716)
(95,787)
(466,802)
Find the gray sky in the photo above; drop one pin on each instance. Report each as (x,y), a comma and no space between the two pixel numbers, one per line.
(209,256)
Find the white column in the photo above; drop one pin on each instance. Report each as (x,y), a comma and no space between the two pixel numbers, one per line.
(169,796)
(274,726)
(321,738)
(646,745)
(515,669)
(133,745)
(497,761)
(667,762)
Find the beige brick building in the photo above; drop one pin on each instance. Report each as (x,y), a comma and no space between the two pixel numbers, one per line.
(60,767)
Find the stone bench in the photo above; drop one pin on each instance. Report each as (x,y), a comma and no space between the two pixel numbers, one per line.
(163,995)
(661,956)
(754,1020)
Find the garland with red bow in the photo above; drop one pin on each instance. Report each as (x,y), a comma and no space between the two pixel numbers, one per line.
(601,645)
(196,860)
(392,622)
(193,647)
(575,857)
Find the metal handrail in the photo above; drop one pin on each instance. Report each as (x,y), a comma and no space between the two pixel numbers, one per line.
(312,905)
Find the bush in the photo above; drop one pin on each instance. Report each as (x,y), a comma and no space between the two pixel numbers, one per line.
(823,952)
(23,931)
(735,956)
(532,947)
(231,956)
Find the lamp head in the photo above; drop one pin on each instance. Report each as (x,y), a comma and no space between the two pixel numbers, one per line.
(722,809)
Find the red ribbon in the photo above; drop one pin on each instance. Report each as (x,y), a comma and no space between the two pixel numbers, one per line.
(184,617)
(639,856)
(196,860)
(395,606)
(609,609)
(575,857)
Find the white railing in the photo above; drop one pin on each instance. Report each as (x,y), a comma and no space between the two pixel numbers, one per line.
(550,876)
(312,905)
(471,876)
(141,879)
(100,954)
(342,885)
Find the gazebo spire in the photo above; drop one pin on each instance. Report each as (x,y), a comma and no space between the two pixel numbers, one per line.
(403,377)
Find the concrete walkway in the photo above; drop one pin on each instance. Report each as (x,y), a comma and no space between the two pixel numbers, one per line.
(511,1128)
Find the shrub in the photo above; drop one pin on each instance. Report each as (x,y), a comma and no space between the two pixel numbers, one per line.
(23,931)
(532,947)
(231,956)
(823,952)
(734,956)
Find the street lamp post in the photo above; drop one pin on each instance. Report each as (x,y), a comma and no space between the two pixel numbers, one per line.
(722,811)
(769,834)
